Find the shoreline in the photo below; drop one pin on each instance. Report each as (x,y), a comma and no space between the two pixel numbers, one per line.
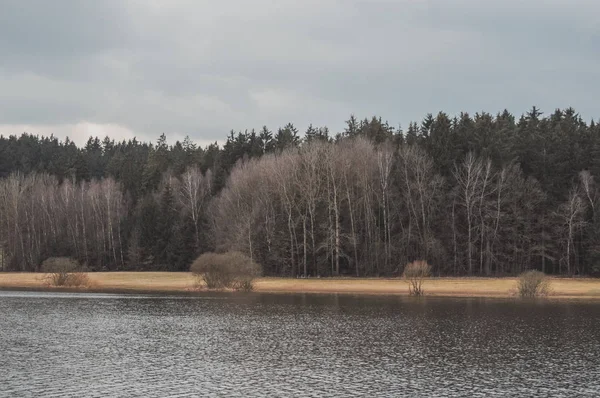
(183,283)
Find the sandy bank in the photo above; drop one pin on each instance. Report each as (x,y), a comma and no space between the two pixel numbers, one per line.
(184,283)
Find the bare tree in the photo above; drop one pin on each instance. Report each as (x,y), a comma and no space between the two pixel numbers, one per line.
(358,169)
(588,189)
(570,215)
(235,210)
(421,189)
(468,177)
(193,193)
(333,166)
(310,184)
(14,188)
(285,169)
(385,161)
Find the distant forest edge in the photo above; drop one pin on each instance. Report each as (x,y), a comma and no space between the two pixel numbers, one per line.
(472,195)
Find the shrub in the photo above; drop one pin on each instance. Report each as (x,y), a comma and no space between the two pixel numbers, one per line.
(78,279)
(533,284)
(233,270)
(210,269)
(244,284)
(414,274)
(63,271)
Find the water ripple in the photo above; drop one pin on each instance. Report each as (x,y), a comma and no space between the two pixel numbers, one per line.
(63,345)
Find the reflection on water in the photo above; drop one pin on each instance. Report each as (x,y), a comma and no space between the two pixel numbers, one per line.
(295,345)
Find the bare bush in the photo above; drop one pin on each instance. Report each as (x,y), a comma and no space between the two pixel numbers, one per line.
(210,269)
(78,279)
(414,274)
(244,285)
(64,271)
(533,284)
(231,270)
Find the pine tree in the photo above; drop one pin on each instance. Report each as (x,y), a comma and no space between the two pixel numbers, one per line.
(287,137)
(166,245)
(157,164)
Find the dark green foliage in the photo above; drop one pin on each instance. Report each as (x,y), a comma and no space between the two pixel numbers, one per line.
(165,239)
(316,134)
(287,137)
(374,130)
(544,152)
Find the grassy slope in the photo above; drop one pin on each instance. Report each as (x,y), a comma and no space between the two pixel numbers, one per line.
(162,282)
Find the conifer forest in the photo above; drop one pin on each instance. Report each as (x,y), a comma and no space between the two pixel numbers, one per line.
(481,195)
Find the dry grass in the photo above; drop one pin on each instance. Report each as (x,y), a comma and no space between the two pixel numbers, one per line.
(173,282)
(108,281)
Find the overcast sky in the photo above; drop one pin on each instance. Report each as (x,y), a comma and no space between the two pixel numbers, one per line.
(128,68)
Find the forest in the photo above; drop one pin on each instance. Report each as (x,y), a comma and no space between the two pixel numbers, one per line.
(481,195)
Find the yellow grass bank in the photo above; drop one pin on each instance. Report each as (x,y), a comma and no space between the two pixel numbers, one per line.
(172,282)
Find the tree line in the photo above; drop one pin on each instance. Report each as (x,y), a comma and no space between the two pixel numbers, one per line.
(472,195)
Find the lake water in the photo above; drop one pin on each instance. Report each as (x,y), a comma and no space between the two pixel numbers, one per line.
(80,345)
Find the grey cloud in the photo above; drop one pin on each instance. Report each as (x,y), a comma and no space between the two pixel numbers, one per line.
(204,67)
(61,28)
